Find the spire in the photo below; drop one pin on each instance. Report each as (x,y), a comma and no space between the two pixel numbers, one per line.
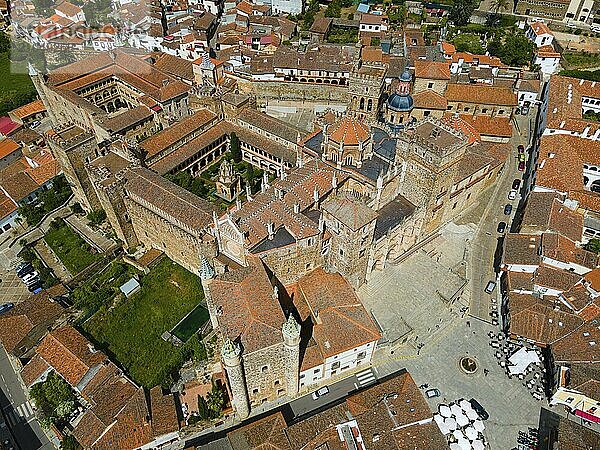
(291,328)
(229,349)
(206,270)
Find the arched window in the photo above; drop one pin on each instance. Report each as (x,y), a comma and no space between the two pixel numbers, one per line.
(370,105)
(362,103)
(348,161)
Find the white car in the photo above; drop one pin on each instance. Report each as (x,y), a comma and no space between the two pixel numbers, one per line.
(512,194)
(320,393)
(30,276)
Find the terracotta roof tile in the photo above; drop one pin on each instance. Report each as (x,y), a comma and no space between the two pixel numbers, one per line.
(29,109)
(545,212)
(33,370)
(351,213)
(583,345)
(429,99)
(8,147)
(349,130)
(268,432)
(250,312)
(480,94)
(340,321)
(70,354)
(432,70)
(163,412)
(7,206)
(540,28)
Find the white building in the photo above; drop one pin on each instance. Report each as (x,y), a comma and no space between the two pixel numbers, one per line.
(540,34)
(547,58)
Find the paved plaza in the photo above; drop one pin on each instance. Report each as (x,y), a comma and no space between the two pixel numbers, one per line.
(508,402)
(12,289)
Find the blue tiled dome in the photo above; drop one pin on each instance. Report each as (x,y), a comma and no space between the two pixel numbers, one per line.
(405,76)
(400,103)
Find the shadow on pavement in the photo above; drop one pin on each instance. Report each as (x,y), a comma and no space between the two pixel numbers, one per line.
(22,432)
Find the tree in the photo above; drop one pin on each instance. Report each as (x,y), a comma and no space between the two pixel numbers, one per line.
(215,401)
(234,148)
(53,397)
(516,50)
(203,410)
(43,7)
(461,11)
(97,216)
(468,42)
(593,245)
(499,5)
(70,443)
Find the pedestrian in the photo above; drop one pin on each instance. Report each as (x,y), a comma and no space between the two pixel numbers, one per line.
(469,323)
(485,372)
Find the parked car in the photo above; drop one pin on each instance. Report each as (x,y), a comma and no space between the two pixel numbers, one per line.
(35,287)
(507,209)
(320,393)
(431,393)
(24,270)
(525,110)
(501,227)
(521,149)
(512,195)
(490,287)
(522,166)
(516,184)
(479,409)
(6,307)
(522,157)
(35,123)
(32,281)
(30,276)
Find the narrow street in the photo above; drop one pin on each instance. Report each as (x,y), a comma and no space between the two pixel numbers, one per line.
(17,410)
(486,240)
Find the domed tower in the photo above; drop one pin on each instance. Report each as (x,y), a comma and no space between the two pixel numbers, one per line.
(232,360)
(399,105)
(291,341)
(347,142)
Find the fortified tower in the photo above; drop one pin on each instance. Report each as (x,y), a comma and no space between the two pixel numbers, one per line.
(291,341)
(207,274)
(232,360)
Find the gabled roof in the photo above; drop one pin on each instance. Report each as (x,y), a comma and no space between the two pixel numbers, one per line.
(540,28)
(481,94)
(70,354)
(250,312)
(351,213)
(429,99)
(432,70)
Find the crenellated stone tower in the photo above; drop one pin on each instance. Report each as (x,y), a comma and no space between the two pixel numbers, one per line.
(231,353)
(207,274)
(291,341)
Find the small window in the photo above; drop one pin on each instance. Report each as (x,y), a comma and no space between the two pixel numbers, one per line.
(361,355)
(335,365)
(264,369)
(276,383)
(255,391)
(429,85)
(317,370)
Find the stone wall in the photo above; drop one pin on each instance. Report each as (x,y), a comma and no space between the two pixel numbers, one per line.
(155,232)
(265,372)
(291,263)
(422,84)
(279,90)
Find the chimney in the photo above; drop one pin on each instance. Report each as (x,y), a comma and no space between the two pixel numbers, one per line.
(296,208)
(248,193)
(238,203)
(316,194)
(165,81)
(271,230)
(334,183)
(275,294)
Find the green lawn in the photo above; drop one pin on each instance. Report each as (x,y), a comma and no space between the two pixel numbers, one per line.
(131,330)
(16,88)
(71,249)
(576,60)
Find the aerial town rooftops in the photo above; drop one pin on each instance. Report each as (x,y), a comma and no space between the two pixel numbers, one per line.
(349,131)
(522,249)
(429,99)
(322,58)
(270,124)
(351,213)
(560,248)
(546,212)
(540,28)
(35,107)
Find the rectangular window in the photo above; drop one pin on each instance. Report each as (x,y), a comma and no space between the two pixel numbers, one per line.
(335,365)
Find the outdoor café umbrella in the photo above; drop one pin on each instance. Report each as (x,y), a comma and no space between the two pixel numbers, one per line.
(464,444)
(465,405)
(458,434)
(472,414)
(471,433)
(456,410)
(477,445)
(462,420)
(479,426)
(450,423)
(455,446)
(445,411)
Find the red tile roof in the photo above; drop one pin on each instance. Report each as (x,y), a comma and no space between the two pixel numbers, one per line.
(70,354)
(540,28)
(349,130)
(429,99)
(432,70)
(250,312)
(29,109)
(480,94)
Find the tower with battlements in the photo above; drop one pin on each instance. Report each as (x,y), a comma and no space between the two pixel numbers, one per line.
(231,353)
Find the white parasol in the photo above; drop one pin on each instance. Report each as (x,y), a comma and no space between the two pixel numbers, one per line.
(478,445)
(458,434)
(462,420)
(464,444)
(455,446)
(471,433)
(479,426)
(472,414)
(465,405)
(445,411)
(456,410)
(450,423)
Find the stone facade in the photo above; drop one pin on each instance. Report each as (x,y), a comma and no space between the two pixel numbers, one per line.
(366,86)
(555,9)
(422,84)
